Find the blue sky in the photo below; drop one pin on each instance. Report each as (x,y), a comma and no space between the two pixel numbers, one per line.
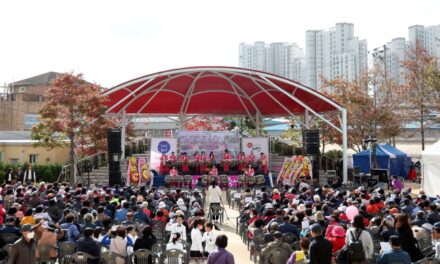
(114,41)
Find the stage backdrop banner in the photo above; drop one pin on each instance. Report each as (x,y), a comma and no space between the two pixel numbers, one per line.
(158,146)
(215,141)
(257,145)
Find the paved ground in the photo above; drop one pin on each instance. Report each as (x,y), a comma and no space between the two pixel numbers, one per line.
(235,244)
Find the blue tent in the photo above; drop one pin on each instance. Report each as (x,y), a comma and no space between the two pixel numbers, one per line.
(388,157)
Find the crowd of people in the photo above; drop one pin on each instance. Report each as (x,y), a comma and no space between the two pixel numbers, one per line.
(323,224)
(308,221)
(120,220)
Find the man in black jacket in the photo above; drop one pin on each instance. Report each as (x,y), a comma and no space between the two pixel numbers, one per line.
(320,249)
(88,245)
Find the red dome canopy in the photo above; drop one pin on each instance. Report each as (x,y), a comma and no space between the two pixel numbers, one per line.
(215,91)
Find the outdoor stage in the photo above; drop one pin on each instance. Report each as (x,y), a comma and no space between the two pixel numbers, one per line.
(159,180)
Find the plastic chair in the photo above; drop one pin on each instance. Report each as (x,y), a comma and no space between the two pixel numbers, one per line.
(425,246)
(173,256)
(140,256)
(109,257)
(44,253)
(240,181)
(258,244)
(158,228)
(81,257)
(66,251)
(216,213)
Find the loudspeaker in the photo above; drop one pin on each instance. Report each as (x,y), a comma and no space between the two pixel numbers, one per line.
(114,172)
(315,167)
(311,141)
(381,174)
(114,140)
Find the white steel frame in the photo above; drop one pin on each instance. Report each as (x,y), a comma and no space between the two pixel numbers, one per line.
(201,72)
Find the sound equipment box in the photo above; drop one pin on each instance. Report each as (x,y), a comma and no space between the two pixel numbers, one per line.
(311,142)
(114,172)
(114,140)
(380,174)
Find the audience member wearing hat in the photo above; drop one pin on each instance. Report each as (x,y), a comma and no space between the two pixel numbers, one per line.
(23,251)
(337,238)
(278,243)
(320,248)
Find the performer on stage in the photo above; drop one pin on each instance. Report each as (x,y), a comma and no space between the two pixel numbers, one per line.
(212,158)
(185,162)
(172,158)
(196,158)
(213,171)
(203,166)
(173,171)
(241,158)
(163,164)
(263,163)
(249,171)
(251,157)
(226,161)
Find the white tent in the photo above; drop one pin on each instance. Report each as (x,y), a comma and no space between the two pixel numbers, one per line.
(431,170)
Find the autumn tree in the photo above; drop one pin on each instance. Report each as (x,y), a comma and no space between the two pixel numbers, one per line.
(421,94)
(367,114)
(72,116)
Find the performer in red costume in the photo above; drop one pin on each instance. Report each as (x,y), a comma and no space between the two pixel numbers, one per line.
(213,171)
(174,172)
(249,171)
(251,157)
(212,158)
(163,164)
(241,158)
(196,158)
(263,163)
(226,161)
(203,160)
(172,158)
(185,162)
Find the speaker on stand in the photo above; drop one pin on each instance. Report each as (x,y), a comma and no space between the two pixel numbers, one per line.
(311,147)
(114,155)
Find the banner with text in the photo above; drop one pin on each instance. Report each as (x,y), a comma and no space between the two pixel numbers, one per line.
(159,146)
(255,145)
(207,141)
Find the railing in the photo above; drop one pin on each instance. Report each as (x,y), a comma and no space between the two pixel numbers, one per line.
(83,165)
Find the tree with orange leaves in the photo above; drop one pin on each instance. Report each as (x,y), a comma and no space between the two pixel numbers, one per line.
(367,114)
(421,94)
(72,116)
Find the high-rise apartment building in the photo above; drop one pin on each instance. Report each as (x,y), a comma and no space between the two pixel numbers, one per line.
(280,58)
(429,38)
(334,53)
(395,55)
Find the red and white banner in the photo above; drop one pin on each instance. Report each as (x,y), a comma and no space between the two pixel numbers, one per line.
(255,145)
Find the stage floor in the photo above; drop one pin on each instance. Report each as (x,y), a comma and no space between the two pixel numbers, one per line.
(159,180)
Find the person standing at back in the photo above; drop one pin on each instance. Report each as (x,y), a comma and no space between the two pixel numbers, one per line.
(406,236)
(320,249)
(215,195)
(359,241)
(221,255)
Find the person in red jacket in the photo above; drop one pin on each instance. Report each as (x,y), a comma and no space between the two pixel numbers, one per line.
(337,238)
